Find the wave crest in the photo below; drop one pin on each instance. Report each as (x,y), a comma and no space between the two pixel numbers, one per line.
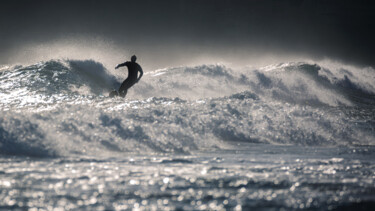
(298,83)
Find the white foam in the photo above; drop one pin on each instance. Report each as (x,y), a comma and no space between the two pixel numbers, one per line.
(59,109)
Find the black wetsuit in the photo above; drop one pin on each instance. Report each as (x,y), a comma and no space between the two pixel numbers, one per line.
(132,78)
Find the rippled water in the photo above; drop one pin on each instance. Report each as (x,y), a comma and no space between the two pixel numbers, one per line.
(254,176)
(291,136)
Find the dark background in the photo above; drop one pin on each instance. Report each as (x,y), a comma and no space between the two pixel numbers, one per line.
(176,31)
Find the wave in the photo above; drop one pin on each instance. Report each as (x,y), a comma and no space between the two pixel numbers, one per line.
(167,125)
(300,83)
(57,77)
(61,108)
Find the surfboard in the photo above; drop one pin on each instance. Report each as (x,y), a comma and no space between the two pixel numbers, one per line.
(113,93)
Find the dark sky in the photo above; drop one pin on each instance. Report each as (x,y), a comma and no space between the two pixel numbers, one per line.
(175,31)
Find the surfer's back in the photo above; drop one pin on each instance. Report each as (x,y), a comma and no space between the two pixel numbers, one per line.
(133,68)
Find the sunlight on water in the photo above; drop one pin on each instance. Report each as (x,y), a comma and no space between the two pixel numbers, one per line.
(302,179)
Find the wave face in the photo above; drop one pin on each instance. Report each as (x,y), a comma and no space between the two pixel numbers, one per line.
(61,108)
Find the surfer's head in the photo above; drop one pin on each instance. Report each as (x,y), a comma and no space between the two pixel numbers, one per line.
(133,58)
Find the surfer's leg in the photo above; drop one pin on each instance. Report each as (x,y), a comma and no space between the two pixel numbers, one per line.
(123,93)
(124,88)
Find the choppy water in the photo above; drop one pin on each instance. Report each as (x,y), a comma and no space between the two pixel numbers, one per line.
(287,136)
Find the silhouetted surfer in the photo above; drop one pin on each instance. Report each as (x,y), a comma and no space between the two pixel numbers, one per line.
(132,78)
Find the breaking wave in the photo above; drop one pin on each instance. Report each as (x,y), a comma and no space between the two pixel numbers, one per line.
(61,108)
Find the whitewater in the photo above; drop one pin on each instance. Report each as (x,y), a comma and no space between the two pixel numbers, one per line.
(288,136)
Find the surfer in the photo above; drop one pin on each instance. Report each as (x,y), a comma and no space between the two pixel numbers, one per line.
(132,78)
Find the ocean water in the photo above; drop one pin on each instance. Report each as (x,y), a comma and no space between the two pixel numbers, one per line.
(289,136)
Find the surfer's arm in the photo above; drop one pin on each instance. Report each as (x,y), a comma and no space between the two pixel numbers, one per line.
(121,65)
(141,74)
